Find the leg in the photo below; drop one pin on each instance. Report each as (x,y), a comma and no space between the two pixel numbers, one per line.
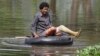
(67,30)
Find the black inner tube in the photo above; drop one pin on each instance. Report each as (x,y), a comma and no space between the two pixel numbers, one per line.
(51,40)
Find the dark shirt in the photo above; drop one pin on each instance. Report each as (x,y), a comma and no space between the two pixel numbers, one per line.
(41,23)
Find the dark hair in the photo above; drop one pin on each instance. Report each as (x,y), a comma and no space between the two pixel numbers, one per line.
(43,4)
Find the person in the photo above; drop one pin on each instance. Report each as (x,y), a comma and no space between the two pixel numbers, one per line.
(42,25)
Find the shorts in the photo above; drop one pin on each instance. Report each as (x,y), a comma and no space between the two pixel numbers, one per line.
(44,34)
(51,33)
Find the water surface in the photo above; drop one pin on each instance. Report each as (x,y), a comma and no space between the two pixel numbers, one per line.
(87,38)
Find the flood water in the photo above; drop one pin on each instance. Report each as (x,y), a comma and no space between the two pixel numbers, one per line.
(87,38)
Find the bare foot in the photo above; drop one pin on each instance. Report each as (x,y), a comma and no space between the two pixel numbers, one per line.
(78,33)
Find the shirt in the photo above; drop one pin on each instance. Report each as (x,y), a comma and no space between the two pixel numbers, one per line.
(41,23)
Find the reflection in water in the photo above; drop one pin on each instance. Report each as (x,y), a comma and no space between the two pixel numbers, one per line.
(53,51)
(45,51)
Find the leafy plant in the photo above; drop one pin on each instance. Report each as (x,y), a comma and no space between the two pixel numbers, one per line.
(89,51)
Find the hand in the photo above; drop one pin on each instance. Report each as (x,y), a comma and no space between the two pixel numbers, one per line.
(58,34)
(36,35)
(49,27)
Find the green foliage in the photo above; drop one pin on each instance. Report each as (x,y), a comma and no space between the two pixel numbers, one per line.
(90,51)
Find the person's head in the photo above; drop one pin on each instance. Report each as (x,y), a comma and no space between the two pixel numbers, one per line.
(44,6)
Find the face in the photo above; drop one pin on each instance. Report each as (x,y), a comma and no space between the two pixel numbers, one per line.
(44,10)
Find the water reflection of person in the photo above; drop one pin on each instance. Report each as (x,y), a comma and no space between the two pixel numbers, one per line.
(45,52)
(42,25)
(53,51)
